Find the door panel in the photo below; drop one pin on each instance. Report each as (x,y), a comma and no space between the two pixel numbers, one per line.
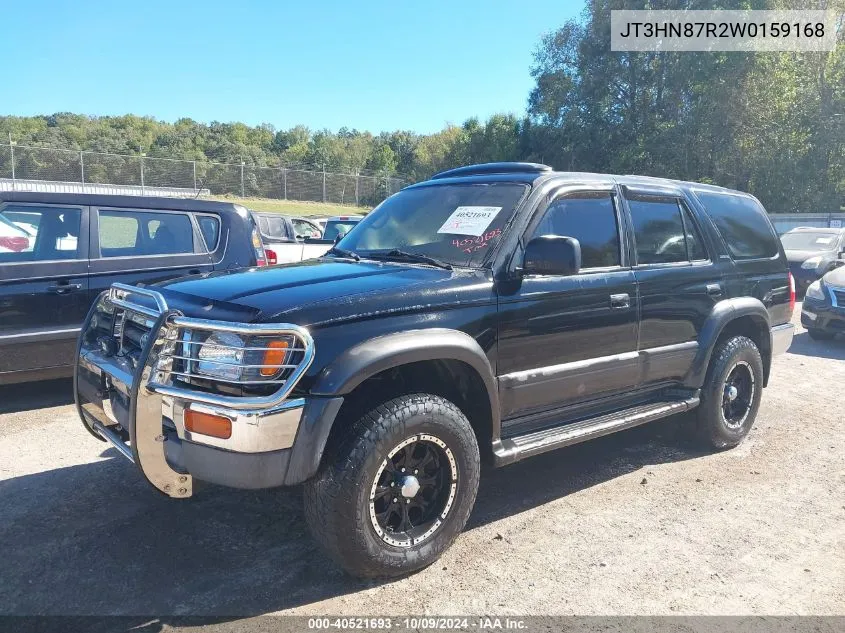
(43,288)
(569,339)
(561,341)
(679,284)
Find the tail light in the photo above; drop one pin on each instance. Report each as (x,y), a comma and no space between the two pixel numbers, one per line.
(791,292)
(16,244)
(258,247)
(272,259)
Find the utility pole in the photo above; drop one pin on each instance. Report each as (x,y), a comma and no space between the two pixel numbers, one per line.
(143,190)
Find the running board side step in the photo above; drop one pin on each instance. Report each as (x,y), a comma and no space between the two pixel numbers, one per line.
(513,449)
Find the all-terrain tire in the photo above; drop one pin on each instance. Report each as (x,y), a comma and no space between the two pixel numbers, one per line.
(338,500)
(714,428)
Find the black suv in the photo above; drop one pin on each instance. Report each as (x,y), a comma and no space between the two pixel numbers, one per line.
(492,313)
(58,252)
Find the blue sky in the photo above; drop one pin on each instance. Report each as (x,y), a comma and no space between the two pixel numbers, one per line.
(367,65)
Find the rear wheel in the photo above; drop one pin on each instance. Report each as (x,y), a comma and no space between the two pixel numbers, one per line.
(397,488)
(731,394)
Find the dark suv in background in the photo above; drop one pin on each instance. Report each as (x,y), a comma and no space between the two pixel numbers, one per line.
(494,312)
(813,252)
(60,251)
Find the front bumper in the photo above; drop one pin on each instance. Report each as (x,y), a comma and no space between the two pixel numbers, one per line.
(130,402)
(823,316)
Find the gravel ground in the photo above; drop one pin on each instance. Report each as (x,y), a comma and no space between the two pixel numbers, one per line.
(636,523)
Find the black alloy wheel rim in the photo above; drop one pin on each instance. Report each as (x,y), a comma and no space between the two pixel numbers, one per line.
(413,490)
(738,395)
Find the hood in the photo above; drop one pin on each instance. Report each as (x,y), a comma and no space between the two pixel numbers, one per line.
(835,277)
(321,291)
(796,257)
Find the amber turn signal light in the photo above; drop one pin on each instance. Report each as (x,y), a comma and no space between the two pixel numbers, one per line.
(274,356)
(208,424)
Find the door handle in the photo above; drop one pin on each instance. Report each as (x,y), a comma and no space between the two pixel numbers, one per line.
(714,290)
(620,301)
(63,288)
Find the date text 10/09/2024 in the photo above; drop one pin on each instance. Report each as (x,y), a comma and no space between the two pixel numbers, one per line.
(484,623)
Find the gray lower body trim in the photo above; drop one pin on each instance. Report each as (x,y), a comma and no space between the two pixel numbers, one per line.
(782,338)
(584,379)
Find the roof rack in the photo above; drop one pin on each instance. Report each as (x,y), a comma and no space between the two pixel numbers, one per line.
(493,168)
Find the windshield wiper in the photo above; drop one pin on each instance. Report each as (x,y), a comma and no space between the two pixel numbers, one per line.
(396,253)
(342,252)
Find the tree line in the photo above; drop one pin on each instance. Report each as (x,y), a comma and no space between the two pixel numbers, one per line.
(769,123)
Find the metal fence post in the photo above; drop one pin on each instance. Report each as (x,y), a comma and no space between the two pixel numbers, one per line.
(195,174)
(324,182)
(284,183)
(12,148)
(143,191)
(357,178)
(82,170)
(243,191)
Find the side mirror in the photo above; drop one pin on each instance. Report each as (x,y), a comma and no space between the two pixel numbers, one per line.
(552,255)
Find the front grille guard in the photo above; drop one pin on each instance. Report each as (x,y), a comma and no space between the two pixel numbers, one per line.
(166,351)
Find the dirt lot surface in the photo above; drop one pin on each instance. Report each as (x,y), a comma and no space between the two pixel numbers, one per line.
(636,523)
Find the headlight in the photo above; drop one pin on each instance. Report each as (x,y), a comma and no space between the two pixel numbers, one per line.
(221,356)
(811,263)
(814,291)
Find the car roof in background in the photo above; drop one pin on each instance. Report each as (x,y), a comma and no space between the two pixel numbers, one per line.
(345,218)
(134,202)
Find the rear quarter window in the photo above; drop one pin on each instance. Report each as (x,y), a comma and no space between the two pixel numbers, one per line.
(743,223)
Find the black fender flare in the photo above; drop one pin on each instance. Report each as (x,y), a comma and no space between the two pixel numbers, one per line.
(375,355)
(723,313)
(366,359)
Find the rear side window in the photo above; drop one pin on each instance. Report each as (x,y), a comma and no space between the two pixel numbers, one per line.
(592,221)
(210,229)
(743,223)
(665,232)
(38,233)
(139,233)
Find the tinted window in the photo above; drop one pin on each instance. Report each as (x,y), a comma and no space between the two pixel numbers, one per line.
(590,220)
(38,233)
(210,229)
(274,227)
(135,233)
(659,231)
(743,224)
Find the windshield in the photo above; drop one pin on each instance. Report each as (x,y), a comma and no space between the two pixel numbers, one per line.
(338,227)
(809,241)
(456,224)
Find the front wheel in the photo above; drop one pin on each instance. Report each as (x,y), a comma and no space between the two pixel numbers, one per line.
(731,394)
(397,487)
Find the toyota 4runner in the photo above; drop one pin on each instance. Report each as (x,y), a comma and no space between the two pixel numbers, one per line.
(494,312)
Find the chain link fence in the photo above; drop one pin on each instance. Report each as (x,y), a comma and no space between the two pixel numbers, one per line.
(25,168)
